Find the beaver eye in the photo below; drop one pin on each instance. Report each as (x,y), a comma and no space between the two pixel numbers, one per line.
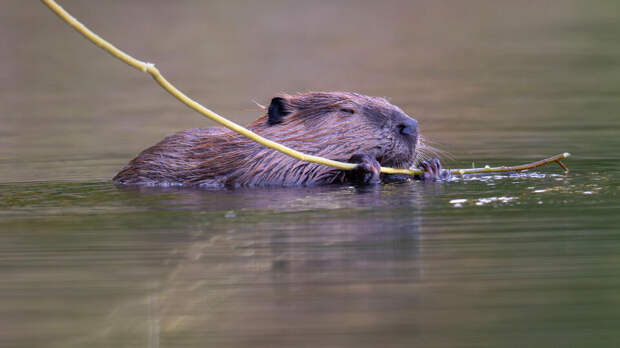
(347,110)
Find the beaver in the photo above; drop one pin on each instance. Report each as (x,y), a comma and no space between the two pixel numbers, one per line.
(342,126)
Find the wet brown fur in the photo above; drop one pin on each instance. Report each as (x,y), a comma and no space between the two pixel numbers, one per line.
(334,125)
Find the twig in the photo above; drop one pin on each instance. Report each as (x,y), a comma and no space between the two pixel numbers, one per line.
(151,69)
(557,159)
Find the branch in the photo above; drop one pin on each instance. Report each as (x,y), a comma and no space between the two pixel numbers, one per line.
(557,159)
(159,78)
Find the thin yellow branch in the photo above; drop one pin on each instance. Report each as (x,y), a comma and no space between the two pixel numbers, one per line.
(151,69)
(557,159)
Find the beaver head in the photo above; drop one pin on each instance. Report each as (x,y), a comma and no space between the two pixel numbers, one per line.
(334,125)
(341,124)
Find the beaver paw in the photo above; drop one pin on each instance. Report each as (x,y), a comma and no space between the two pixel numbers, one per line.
(433,171)
(367,172)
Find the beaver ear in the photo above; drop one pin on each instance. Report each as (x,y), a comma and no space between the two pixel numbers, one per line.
(278,108)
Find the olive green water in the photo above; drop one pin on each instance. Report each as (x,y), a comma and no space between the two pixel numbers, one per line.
(507,261)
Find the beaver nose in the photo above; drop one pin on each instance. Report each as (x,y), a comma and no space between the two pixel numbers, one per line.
(408,127)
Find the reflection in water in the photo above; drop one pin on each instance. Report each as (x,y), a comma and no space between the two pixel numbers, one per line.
(258,275)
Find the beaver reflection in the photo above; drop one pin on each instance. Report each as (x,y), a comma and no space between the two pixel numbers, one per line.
(329,251)
(347,252)
(336,125)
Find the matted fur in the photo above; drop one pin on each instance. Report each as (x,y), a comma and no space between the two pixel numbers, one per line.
(335,125)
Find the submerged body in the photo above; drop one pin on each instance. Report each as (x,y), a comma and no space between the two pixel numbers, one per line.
(341,126)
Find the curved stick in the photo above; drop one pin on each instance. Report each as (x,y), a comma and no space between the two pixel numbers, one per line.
(151,69)
(557,159)
(159,78)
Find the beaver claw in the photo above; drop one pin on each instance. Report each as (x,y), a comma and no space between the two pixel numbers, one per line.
(367,172)
(433,171)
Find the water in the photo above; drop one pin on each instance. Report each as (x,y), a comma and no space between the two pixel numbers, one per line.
(522,260)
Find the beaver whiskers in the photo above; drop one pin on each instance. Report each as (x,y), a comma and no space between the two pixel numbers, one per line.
(426,152)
